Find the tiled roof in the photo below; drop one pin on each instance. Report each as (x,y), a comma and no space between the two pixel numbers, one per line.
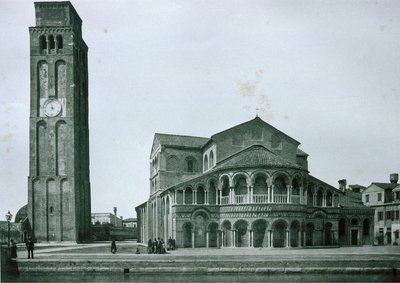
(300,152)
(177,140)
(256,120)
(349,202)
(256,155)
(385,185)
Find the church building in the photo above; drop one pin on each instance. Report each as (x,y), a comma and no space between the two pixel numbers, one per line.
(247,186)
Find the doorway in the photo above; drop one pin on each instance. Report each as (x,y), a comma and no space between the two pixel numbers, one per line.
(354,237)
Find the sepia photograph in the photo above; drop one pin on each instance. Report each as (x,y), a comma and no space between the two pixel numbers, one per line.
(200,141)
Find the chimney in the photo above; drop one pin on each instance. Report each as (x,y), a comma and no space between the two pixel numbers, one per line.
(342,185)
(394,178)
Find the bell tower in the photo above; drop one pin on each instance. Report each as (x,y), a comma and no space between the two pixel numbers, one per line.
(58,182)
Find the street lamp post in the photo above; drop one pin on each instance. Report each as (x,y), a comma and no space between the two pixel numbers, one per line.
(8,218)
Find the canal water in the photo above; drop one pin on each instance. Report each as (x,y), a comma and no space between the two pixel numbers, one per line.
(185,277)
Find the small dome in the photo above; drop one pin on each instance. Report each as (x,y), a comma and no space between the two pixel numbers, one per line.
(21,214)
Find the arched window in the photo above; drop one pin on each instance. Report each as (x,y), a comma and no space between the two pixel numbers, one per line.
(59,42)
(189,165)
(211,159)
(42,42)
(172,163)
(329,199)
(51,42)
(319,198)
(205,162)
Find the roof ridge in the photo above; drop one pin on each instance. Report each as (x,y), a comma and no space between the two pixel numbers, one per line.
(257,118)
(175,135)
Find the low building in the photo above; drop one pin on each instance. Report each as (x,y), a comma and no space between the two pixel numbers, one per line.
(385,199)
(106,218)
(130,223)
(247,186)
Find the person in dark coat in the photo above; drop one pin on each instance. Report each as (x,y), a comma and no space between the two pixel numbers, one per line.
(30,246)
(150,246)
(13,249)
(113,247)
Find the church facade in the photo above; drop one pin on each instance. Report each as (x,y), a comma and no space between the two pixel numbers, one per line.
(247,186)
(58,181)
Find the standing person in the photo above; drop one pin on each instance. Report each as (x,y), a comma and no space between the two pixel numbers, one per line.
(150,246)
(113,247)
(155,246)
(13,249)
(29,246)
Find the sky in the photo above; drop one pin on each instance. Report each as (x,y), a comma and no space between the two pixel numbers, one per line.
(326,73)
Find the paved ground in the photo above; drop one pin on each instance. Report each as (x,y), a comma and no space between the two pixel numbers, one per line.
(127,249)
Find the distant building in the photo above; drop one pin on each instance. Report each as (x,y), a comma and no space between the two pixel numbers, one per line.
(130,222)
(385,199)
(247,186)
(107,218)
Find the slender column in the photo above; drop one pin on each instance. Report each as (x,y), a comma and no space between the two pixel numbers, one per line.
(272,194)
(304,238)
(287,238)
(288,194)
(222,238)
(193,239)
(250,238)
(183,195)
(194,197)
(216,196)
(266,237)
(299,239)
(233,238)
(220,196)
(269,194)
(207,239)
(248,194)
(324,200)
(272,238)
(306,198)
(301,196)
(231,197)
(314,199)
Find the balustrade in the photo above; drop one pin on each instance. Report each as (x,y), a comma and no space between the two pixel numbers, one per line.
(241,199)
(260,198)
(225,200)
(280,198)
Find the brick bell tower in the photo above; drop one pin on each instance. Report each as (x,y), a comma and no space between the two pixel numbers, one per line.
(58,182)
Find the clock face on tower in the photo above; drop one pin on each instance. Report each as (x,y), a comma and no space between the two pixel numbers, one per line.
(52,107)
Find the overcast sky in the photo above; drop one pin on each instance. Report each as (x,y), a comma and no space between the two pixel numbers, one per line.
(327,73)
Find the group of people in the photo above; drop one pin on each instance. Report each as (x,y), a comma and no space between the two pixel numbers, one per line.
(157,246)
(29,246)
(114,248)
